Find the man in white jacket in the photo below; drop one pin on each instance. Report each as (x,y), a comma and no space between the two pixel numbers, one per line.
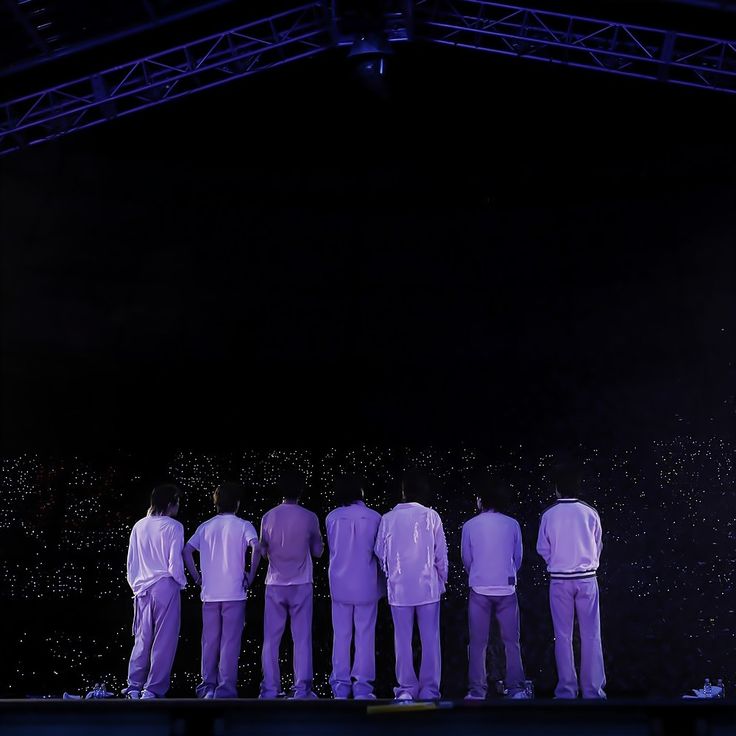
(570,541)
(492,552)
(411,548)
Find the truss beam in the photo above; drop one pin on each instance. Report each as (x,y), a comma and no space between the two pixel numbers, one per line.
(613,47)
(617,48)
(153,80)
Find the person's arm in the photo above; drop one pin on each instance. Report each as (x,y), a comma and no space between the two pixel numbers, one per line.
(466,550)
(440,551)
(176,566)
(257,553)
(131,558)
(380,548)
(316,545)
(518,548)
(598,533)
(544,548)
(189,562)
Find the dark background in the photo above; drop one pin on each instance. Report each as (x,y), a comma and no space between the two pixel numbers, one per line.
(500,254)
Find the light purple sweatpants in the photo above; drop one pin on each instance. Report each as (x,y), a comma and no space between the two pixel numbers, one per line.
(282,602)
(156,619)
(506,610)
(427,687)
(567,598)
(222,629)
(360,678)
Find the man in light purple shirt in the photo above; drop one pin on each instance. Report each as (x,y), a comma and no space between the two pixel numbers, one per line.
(492,553)
(411,548)
(290,537)
(222,543)
(156,576)
(354,589)
(570,541)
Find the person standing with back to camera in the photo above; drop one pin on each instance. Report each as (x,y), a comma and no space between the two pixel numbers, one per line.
(156,576)
(355,590)
(412,550)
(570,542)
(492,554)
(222,543)
(290,538)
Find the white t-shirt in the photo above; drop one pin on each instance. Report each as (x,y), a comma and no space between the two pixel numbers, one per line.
(222,543)
(154,553)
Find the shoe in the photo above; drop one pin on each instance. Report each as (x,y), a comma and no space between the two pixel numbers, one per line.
(364,696)
(311,695)
(148,695)
(209,695)
(132,694)
(519,695)
(471,696)
(404,697)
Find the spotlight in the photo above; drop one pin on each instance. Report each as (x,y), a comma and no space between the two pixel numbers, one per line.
(369,54)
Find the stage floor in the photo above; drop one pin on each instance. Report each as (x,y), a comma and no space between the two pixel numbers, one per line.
(244,717)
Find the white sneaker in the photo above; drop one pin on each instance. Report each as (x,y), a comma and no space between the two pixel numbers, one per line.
(521,695)
(470,696)
(404,697)
(147,695)
(133,694)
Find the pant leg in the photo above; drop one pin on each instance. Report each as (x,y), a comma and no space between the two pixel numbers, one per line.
(342,636)
(140,657)
(592,672)
(166,599)
(506,609)
(562,606)
(406,677)
(233,621)
(479,623)
(274,621)
(211,634)
(300,613)
(430,671)
(364,664)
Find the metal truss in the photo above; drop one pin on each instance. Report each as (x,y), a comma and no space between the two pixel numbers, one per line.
(618,48)
(208,62)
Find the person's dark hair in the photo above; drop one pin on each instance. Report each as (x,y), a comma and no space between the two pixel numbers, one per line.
(162,497)
(348,489)
(568,479)
(291,485)
(493,492)
(415,486)
(226,497)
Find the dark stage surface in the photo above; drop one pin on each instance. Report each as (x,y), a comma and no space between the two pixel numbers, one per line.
(330,718)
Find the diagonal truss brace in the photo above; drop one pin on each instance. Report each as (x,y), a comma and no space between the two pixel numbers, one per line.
(618,48)
(208,62)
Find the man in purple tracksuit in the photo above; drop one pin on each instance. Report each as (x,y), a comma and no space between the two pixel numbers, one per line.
(290,537)
(156,576)
(354,589)
(222,542)
(570,543)
(411,548)
(492,553)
